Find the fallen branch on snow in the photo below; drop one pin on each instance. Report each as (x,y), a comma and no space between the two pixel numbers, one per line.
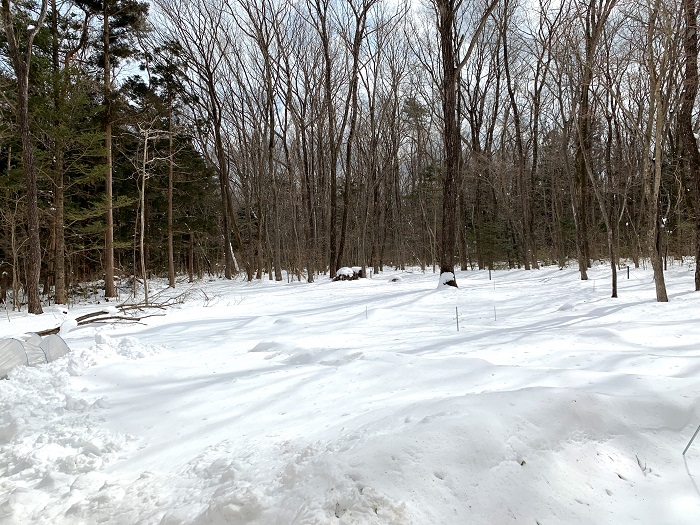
(94,318)
(101,316)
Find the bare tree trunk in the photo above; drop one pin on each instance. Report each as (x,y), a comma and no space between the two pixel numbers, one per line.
(21,61)
(61,296)
(109,215)
(580,192)
(142,218)
(321,8)
(59,270)
(451,140)
(689,144)
(608,224)
(446,13)
(171,162)
(653,200)
(308,205)
(658,66)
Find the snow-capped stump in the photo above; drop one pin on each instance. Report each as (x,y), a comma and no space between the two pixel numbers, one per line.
(348,274)
(447,279)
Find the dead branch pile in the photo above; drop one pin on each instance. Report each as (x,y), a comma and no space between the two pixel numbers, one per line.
(126,314)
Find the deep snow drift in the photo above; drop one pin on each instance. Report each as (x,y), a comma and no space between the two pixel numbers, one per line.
(360,403)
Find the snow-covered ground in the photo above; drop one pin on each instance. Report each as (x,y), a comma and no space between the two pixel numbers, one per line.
(361,403)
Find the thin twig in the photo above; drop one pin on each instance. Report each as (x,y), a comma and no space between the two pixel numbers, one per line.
(691,440)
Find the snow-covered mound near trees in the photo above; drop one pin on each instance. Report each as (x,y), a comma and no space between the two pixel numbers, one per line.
(361,403)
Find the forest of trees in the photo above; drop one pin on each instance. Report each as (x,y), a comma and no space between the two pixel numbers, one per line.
(292,137)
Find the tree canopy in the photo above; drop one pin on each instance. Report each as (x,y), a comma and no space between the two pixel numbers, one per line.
(289,138)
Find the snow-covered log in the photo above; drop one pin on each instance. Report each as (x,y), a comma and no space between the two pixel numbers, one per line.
(348,274)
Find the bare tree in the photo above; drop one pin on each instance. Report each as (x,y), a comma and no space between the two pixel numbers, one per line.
(452,64)
(304,79)
(206,29)
(593,20)
(384,71)
(659,56)
(523,181)
(689,144)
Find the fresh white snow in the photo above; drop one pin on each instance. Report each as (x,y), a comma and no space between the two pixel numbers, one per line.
(359,402)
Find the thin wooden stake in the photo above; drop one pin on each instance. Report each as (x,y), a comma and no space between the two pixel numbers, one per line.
(691,440)
(457,317)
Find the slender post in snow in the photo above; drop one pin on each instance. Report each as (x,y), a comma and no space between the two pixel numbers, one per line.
(457,316)
(691,440)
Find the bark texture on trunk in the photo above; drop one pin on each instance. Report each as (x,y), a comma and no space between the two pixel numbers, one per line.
(21,61)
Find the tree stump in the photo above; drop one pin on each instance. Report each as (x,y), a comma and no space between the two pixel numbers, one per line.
(348,274)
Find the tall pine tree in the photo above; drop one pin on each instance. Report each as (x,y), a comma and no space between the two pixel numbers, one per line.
(122,21)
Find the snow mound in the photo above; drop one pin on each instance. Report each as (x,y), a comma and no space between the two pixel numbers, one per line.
(108,350)
(52,444)
(265,346)
(566,307)
(132,348)
(67,326)
(307,485)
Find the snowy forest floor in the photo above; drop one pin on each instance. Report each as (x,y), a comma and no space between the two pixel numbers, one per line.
(361,403)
